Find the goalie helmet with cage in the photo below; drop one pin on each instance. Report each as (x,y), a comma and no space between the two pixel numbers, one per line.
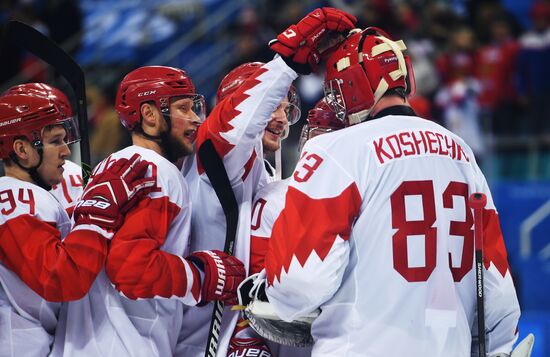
(156,84)
(367,65)
(239,74)
(45,90)
(26,116)
(320,120)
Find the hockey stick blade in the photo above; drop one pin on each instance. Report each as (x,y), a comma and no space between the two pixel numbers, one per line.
(215,170)
(30,39)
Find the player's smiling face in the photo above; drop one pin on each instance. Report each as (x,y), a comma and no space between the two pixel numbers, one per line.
(271,140)
(54,153)
(184,126)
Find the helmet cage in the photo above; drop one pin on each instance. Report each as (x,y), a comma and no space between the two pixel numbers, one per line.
(320,120)
(334,99)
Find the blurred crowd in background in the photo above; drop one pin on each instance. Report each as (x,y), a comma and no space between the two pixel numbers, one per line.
(482,67)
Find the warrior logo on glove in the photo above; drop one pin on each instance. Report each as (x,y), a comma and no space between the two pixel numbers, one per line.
(222,275)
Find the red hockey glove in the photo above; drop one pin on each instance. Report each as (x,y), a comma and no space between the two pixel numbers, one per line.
(298,42)
(248,347)
(113,192)
(222,275)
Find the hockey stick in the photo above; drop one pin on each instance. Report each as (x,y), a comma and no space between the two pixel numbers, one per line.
(30,39)
(215,170)
(477,203)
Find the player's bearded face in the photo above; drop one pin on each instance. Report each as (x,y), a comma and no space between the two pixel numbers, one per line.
(54,153)
(274,131)
(184,126)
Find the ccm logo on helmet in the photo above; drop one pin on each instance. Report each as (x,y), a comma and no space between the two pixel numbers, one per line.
(149,92)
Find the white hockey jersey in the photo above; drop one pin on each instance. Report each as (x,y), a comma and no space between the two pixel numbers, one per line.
(377,231)
(235,126)
(145,260)
(68,191)
(35,265)
(268,204)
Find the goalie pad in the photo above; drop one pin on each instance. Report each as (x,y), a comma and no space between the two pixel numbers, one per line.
(263,319)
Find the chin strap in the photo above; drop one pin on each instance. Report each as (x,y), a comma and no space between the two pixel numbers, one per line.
(278,164)
(163,139)
(33,171)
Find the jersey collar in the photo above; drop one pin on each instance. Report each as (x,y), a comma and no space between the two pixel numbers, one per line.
(395,110)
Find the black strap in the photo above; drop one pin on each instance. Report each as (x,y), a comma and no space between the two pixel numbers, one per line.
(268,168)
(395,110)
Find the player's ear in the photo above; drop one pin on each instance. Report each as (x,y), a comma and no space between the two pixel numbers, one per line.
(146,110)
(22,149)
(149,117)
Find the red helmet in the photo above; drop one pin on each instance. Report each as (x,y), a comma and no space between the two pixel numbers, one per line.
(239,74)
(362,69)
(320,120)
(157,84)
(26,115)
(235,78)
(45,90)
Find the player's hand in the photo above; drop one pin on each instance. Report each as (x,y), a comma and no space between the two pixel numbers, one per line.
(298,43)
(222,275)
(113,192)
(248,347)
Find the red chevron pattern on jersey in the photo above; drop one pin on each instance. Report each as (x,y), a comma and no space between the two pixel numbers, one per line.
(494,250)
(331,217)
(219,121)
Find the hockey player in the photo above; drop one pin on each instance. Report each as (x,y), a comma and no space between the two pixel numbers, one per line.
(286,114)
(268,204)
(377,227)
(69,190)
(149,258)
(42,261)
(236,127)
(269,201)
